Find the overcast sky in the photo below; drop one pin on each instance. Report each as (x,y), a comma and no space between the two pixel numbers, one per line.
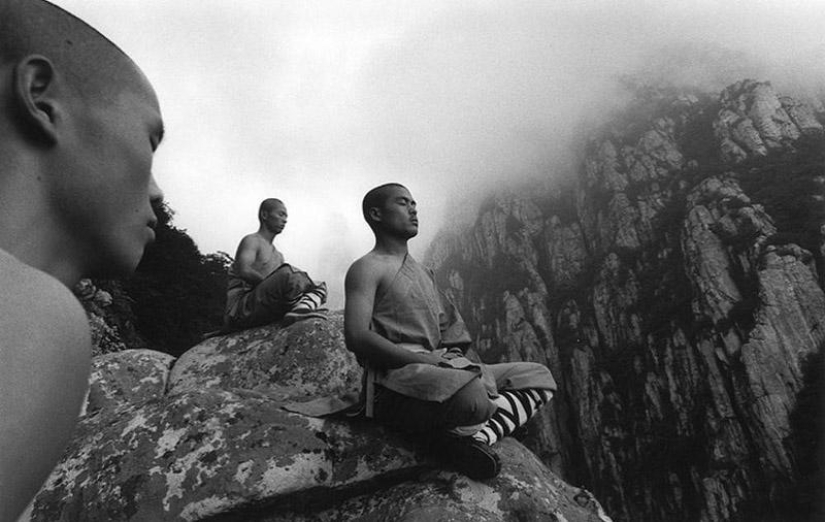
(315,102)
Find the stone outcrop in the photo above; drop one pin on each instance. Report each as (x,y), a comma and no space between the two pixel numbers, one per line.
(754,120)
(675,289)
(205,437)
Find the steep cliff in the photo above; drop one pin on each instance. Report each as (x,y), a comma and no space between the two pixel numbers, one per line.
(206,437)
(674,287)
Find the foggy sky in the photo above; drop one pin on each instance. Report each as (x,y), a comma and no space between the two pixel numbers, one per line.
(315,102)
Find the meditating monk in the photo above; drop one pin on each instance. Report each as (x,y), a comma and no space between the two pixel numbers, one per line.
(263,288)
(411,341)
(79,124)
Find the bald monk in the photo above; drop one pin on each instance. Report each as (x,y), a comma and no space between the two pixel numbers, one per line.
(411,341)
(79,124)
(263,288)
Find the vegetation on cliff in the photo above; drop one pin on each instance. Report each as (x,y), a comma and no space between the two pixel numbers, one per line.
(176,295)
(675,287)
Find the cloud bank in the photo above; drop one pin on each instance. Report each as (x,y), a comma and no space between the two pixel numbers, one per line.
(315,102)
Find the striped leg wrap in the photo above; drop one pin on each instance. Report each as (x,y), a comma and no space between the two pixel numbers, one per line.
(515,407)
(312,300)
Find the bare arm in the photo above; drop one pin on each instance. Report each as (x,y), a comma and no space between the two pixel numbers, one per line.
(360,285)
(245,258)
(44,369)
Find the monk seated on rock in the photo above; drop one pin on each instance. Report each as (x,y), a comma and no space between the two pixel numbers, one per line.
(411,341)
(79,124)
(263,288)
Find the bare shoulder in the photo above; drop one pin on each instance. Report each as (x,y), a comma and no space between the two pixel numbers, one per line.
(370,266)
(44,332)
(36,304)
(372,271)
(251,242)
(249,249)
(44,368)
(362,263)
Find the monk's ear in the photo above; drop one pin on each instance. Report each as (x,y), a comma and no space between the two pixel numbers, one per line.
(375,214)
(35,89)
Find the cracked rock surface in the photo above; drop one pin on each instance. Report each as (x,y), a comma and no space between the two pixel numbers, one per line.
(204,437)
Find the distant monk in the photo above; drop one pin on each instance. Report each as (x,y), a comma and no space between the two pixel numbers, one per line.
(412,340)
(263,288)
(79,123)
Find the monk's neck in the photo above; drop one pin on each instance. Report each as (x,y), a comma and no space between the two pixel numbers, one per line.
(391,245)
(266,234)
(37,236)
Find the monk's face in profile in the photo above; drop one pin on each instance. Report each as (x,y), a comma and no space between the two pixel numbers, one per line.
(398,213)
(275,220)
(108,186)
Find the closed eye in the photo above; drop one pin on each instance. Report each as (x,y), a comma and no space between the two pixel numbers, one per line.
(156,137)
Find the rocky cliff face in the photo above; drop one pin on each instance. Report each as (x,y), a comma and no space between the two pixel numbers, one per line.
(205,437)
(675,290)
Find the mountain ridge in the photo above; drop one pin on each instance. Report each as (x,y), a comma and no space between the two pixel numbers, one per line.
(675,287)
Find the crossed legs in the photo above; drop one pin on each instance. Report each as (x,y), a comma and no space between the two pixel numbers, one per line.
(285,291)
(470,412)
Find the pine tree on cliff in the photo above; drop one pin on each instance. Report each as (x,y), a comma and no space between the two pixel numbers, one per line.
(177,292)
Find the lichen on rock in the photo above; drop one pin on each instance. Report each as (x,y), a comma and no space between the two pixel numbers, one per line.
(206,437)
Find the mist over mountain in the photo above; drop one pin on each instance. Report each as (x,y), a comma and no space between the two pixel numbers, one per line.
(545,144)
(316,102)
(670,273)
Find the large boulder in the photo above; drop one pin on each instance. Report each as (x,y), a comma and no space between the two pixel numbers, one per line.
(206,437)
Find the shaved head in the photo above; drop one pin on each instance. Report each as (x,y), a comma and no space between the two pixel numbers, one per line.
(268,205)
(79,123)
(376,198)
(91,63)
